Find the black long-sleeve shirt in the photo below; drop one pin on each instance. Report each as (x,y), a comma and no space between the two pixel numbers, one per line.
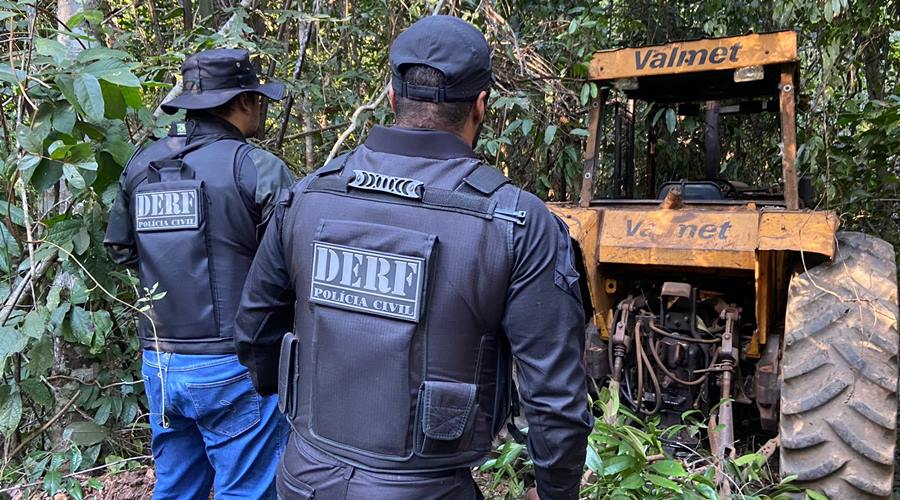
(543,319)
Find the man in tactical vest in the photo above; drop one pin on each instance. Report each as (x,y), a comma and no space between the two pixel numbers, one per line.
(411,274)
(190,211)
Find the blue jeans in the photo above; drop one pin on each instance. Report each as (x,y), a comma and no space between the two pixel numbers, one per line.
(211,428)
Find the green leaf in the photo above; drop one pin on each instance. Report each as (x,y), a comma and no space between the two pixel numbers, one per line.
(549,134)
(82,326)
(671,468)
(89,95)
(85,433)
(37,391)
(121,151)
(102,415)
(527,125)
(593,460)
(74,177)
(7,14)
(10,75)
(632,482)
(707,491)
(63,118)
(97,53)
(579,132)
(132,97)
(585,93)
(28,165)
(11,342)
(81,241)
(664,483)
(814,495)
(32,139)
(617,464)
(115,107)
(40,357)
(73,488)
(91,16)
(113,71)
(102,326)
(36,322)
(52,482)
(670,120)
(10,409)
(46,175)
(52,49)
(66,84)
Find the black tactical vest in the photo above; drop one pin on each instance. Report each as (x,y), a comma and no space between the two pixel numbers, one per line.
(401,270)
(195,239)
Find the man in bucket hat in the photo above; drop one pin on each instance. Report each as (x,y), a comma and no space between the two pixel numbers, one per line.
(188,215)
(415,275)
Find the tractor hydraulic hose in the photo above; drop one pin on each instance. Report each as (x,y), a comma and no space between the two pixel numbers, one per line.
(674,377)
(640,366)
(681,337)
(642,360)
(609,351)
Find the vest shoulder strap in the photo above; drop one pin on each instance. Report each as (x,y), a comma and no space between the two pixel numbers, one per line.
(486,179)
(177,154)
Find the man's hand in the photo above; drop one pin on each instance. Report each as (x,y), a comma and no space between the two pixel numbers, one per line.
(531,494)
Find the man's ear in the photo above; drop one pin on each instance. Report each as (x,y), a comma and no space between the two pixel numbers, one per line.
(391,98)
(478,110)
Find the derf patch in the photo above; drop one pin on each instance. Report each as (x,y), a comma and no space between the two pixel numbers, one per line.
(364,280)
(167,210)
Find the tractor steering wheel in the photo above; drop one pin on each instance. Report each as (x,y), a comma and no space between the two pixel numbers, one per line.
(728,189)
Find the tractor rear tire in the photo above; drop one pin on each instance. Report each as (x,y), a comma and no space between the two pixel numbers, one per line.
(839,372)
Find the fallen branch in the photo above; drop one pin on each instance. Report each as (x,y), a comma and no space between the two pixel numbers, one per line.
(300,135)
(353,123)
(18,293)
(368,107)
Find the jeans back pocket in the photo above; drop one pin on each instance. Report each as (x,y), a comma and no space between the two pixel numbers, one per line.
(228,407)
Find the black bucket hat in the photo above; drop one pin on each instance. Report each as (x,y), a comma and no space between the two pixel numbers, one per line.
(213,77)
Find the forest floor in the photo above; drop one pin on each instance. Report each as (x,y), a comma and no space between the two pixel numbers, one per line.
(137,484)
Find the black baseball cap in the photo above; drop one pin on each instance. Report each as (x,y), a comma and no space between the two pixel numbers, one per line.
(212,77)
(450,45)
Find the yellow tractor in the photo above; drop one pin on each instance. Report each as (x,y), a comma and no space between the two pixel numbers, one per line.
(743,303)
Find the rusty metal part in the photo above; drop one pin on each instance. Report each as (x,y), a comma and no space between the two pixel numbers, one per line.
(595,141)
(768,392)
(725,444)
(789,136)
(620,342)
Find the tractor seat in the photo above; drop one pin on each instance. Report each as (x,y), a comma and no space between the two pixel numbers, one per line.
(693,190)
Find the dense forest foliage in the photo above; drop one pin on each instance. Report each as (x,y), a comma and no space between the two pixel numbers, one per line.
(81,80)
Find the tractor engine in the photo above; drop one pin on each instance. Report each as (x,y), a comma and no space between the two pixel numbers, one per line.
(676,352)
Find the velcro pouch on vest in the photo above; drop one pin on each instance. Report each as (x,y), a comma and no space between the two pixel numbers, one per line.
(446,408)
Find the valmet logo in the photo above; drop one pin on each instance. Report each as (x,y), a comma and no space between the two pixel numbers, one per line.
(708,231)
(678,57)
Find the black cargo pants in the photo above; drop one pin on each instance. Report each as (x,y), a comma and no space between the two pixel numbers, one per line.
(307,473)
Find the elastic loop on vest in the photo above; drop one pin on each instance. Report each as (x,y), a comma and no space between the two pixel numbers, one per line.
(486,179)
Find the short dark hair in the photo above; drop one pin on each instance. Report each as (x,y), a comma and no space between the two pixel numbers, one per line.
(450,116)
(222,110)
